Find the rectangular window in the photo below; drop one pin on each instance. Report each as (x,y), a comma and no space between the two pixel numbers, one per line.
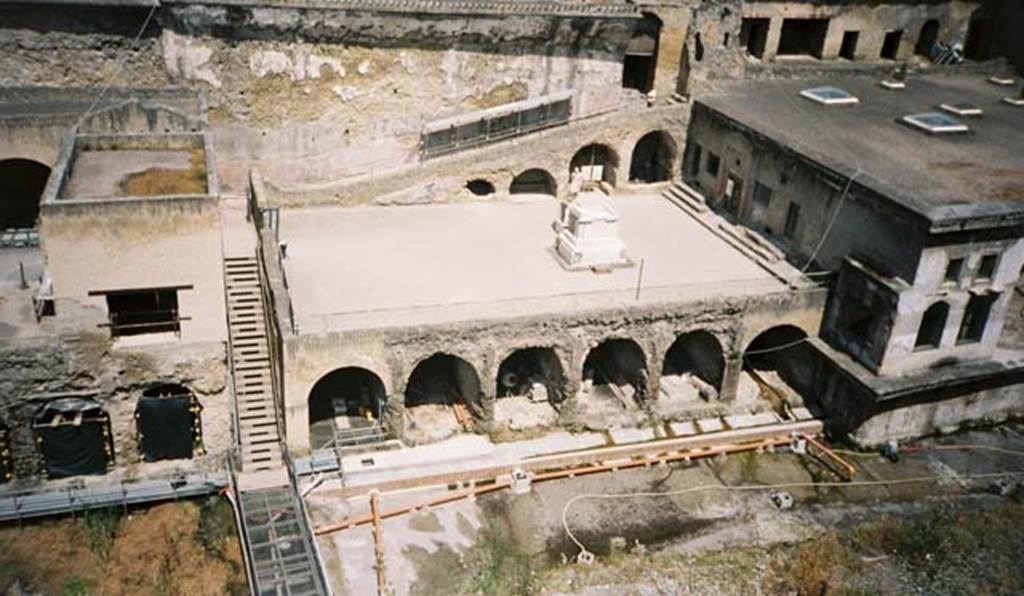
(712,165)
(972,328)
(848,49)
(762,195)
(754,35)
(953,270)
(891,44)
(987,267)
(803,37)
(792,221)
(137,312)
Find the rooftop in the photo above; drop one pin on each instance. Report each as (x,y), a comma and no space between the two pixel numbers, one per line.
(367,267)
(943,177)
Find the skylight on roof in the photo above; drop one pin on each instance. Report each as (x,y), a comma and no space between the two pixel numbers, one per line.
(962,109)
(829,96)
(935,123)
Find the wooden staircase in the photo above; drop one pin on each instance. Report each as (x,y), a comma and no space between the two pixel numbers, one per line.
(258,431)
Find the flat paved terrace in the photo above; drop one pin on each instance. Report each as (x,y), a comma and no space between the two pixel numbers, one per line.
(370,267)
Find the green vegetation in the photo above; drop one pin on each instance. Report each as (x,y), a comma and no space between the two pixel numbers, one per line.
(100,527)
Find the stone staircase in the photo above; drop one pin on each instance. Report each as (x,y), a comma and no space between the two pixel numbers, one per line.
(258,432)
(743,239)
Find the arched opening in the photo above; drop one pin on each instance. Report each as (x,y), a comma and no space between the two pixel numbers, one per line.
(693,368)
(169,423)
(480,187)
(22,182)
(529,381)
(926,40)
(652,158)
(595,163)
(617,368)
(343,403)
(442,397)
(698,47)
(533,182)
(74,436)
(933,323)
(780,366)
(642,55)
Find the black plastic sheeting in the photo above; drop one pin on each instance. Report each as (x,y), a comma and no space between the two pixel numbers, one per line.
(168,427)
(6,458)
(74,450)
(70,448)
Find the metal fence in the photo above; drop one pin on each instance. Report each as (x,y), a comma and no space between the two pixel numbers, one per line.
(497,124)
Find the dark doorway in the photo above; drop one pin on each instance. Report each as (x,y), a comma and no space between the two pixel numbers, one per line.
(891,45)
(74,437)
(596,163)
(535,181)
(733,196)
(754,35)
(530,371)
(976,45)
(693,169)
(933,323)
(443,379)
(619,362)
(783,354)
(168,422)
(803,37)
(642,55)
(22,182)
(652,158)
(848,48)
(926,40)
(345,398)
(697,353)
(698,47)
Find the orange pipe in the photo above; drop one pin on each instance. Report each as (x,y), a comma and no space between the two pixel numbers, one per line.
(554,475)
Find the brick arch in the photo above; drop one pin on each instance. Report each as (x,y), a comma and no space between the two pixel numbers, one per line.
(562,353)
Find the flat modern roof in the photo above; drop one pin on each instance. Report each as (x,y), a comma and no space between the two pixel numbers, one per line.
(372,266)
(943,177)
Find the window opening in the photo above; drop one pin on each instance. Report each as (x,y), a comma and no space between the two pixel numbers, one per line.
(933,323)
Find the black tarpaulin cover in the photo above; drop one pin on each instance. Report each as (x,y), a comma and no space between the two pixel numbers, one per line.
(74,437)
(166,427)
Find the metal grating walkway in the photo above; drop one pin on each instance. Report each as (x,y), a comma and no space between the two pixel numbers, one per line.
(279,542)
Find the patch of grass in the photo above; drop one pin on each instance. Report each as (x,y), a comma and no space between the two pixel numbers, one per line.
(216,525)
(499,567)
(100,527)
(77,586)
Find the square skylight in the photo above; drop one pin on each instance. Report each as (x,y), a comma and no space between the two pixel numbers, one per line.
(935,123)
(962,109)
(829,96)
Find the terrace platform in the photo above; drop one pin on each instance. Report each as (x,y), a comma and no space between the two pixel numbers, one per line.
(370,267)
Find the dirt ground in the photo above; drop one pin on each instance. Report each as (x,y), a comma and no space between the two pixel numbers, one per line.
(652,533)
(190,547)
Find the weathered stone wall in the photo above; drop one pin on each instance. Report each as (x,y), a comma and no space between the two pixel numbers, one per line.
(37,370)
(393,354)
(444,179)
(132,245)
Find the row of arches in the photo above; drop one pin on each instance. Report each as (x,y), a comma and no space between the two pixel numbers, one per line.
(74,435)
(353,397)
(652,161)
